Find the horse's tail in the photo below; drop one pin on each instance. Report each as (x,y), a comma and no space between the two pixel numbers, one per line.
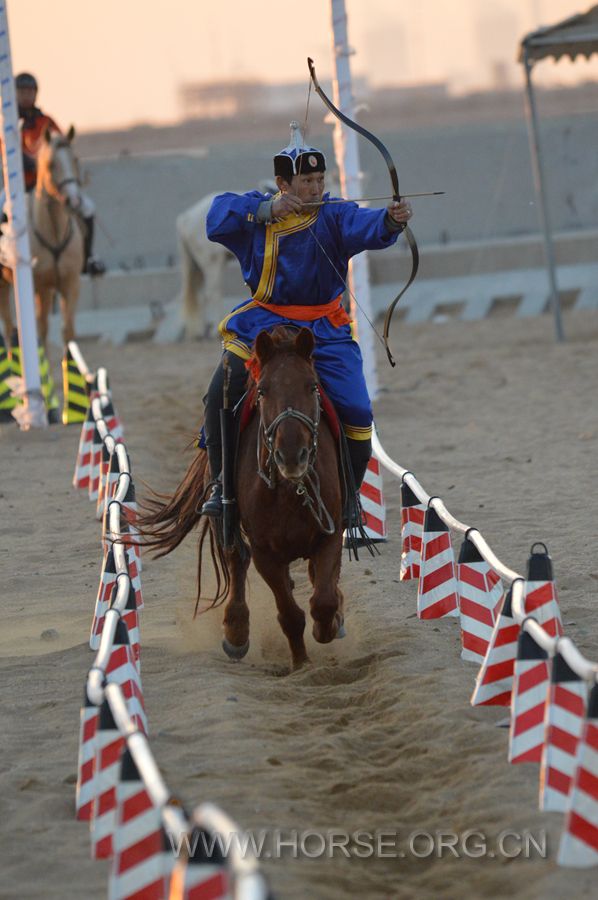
(165,521)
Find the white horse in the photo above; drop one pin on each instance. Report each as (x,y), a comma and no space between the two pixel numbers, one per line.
(202,268)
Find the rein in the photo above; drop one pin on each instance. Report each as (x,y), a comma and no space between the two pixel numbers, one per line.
(56,249)
(307,487)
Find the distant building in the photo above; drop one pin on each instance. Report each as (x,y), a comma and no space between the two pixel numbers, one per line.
(225,99)
(405,95)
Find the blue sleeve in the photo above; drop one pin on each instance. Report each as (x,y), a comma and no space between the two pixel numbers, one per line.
(231,219)
(363,229)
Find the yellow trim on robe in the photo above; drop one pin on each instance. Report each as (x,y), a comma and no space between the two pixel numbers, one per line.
(238,348)
(222,330)
(357,432)
(274,232)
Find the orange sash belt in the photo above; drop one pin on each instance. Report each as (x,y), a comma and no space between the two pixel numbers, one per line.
(333,311)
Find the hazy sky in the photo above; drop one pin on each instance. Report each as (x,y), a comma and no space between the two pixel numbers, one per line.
(119,61)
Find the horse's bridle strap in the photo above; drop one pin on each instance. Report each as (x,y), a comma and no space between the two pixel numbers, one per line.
(290,413)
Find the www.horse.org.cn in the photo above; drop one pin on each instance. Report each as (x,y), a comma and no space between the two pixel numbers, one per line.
(277,843)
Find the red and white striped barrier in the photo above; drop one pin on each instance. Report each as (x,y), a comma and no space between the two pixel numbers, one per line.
(134,574)
(130,617)
(372,502)
(86,761)
(95,464)
(579,841)
(107,583)
(530,686)
(142,862)
(83,463)
(494,681)
(541,600)
(480,599)
(565,715)
(112,419)
(195,878)
(109,746)
(129,817)
(412,527)
(437,592)
(130,509)
(122,670)
(103,480)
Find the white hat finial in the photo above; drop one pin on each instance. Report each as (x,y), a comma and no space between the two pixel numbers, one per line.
(296,136)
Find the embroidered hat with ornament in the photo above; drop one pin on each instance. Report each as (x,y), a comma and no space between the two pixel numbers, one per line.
(296,159)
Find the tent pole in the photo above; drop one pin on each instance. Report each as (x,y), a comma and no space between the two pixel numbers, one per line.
(537,165)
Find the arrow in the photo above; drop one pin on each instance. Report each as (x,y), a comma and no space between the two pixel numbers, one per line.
(372,199)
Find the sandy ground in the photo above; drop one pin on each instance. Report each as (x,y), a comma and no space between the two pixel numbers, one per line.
(378,733)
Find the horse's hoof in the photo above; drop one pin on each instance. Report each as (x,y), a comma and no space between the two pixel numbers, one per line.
(341,633)
(234,652)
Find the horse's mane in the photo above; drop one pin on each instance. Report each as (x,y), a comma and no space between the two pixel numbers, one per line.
(283,339)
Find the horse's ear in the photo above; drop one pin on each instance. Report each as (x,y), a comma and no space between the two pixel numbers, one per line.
(70,134)
(304,343)
(264,347)
(47,135)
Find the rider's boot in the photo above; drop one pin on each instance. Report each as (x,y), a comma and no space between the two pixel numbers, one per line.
(213,505)
(212,428)
(359,455)
(92,265)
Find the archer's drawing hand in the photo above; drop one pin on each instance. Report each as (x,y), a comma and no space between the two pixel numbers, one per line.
(400,212)
(285,205)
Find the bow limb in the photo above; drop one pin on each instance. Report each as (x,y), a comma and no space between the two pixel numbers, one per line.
(394,177)
(409,237)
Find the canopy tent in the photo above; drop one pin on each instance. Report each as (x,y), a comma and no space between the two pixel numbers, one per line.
(575,36)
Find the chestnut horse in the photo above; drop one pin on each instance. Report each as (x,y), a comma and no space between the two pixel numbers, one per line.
(289,496)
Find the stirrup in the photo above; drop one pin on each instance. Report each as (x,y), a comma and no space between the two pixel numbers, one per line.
(213,505)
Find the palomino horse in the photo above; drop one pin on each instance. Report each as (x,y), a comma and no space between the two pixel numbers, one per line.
(55,237)
(289,496)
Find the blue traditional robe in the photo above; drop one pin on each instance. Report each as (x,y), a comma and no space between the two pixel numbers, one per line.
(301,261)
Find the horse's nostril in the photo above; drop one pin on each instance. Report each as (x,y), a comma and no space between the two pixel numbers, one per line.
(278,458)
(303,455)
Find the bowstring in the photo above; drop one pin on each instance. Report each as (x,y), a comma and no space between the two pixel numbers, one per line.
(314,236)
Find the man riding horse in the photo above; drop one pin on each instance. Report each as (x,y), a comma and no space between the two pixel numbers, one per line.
(294,254)
(35,125)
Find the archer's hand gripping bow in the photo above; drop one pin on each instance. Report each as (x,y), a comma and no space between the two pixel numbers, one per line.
(396,195)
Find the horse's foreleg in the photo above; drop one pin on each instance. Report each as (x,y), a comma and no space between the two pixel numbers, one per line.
(43,304)
(326,603)
(236,611)
(290,616)
(68,306)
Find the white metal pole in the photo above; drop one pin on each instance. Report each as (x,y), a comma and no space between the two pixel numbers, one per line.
(347,158)
(540,184)
(33,413)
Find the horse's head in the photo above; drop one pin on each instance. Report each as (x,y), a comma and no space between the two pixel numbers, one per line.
(288,398)
(58,168)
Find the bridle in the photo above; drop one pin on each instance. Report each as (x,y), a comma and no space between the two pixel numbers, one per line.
(57,193)
(307,487)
